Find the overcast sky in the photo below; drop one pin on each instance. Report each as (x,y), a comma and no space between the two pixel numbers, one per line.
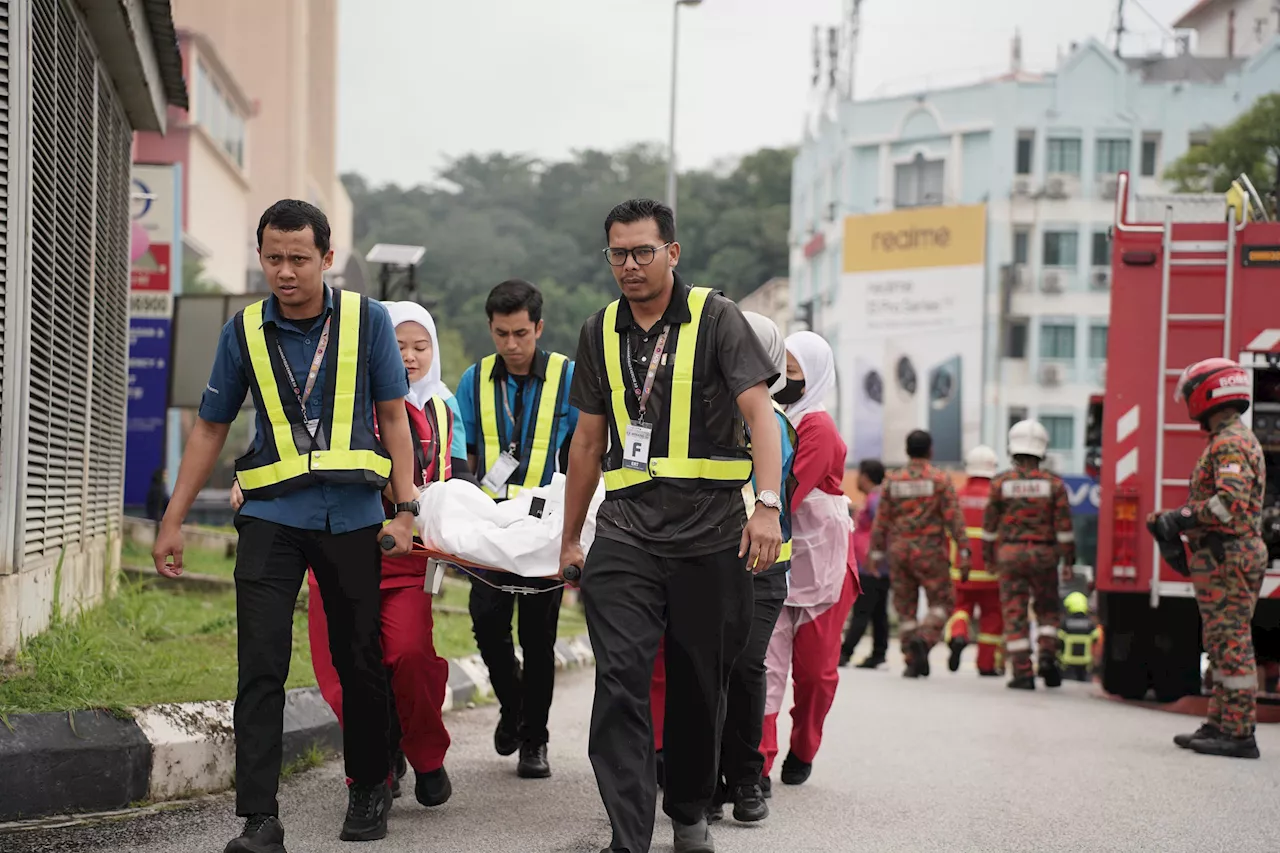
(424,80)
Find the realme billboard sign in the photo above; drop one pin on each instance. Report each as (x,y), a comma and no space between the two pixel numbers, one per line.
(915,238)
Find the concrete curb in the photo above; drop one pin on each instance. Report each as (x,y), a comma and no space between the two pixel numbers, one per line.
(65,763)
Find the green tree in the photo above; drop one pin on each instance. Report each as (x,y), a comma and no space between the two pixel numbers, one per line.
(1249,145)
(194,281)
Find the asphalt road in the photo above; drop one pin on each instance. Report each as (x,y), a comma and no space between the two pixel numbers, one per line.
(953,763)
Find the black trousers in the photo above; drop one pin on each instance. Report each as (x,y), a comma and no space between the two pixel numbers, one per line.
(872,606)
(271,561)
(703,606)
(525,697)
(741,762)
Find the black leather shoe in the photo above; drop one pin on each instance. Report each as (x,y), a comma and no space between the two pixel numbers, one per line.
(433,789)
(749,804)
(990,673)
(263,833)
(871,662)
(957,649)
(506,737)
(1050,672)
(1023,682)
(533,761)
(844,660)
(1205,732)
(795,771)
(1227,746)
(367,810)
(920,656)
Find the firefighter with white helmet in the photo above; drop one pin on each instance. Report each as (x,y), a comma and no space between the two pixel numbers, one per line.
(1222,521)
(978,593)
(1026,530)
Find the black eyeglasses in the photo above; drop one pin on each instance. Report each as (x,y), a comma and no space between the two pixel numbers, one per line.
(643,255)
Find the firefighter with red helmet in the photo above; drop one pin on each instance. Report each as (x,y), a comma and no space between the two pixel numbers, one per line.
(1026,529)
(978,595)
(1222,522)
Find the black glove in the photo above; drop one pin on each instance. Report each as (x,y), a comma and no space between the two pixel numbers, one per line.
(1169,541)
(1171,524)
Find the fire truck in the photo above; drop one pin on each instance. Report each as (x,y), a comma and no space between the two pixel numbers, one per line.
(1182,291)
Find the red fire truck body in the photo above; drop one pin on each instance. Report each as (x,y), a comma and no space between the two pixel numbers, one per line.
(1181,292)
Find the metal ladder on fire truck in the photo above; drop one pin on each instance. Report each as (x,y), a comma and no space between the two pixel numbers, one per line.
(1205,254)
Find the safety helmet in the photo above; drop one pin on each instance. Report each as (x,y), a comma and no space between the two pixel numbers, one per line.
(1028,438)
(1212,385)
(981,462)
(1076,602)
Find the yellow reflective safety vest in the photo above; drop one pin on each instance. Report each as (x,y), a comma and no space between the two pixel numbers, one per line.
(537,454)
(675,454)
(1077,635)
(344,449)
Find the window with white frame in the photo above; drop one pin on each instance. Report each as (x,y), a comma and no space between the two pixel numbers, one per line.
(1061,248)
(1058,341)
(919,183)
(219,117)
(1061,429)
(1112,156)
(1063,157)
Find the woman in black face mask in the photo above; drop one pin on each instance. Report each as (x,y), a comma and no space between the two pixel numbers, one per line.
(794,389)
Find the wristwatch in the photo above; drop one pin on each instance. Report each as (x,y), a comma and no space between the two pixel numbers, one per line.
(411,507)
(769,499)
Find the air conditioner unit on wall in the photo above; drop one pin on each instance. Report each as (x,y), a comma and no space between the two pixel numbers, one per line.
(1050,374)
(1056,188)
(1107,187)
(1022,187)
(1100,280)
(1051,281)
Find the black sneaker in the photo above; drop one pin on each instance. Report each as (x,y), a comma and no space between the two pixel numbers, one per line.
(766,787)
(1023,682)
(533,761)
(957,649)
(1227,746)
(401,766)
(506,737)
(1207,731)
(367,810)
(844,660)
(1050,672)
(871,662)
(920,656)
(795,771)
(990,673)
(263,833)
(433,789)
(749,804)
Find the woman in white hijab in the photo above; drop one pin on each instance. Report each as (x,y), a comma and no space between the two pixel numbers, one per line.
(806,638)
(741,763)
(420,349)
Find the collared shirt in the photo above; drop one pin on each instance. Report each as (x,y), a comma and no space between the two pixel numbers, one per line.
(339,508)
(521,392)
(668,520)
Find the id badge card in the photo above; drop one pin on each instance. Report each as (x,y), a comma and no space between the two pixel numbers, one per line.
(500,473)
(635,446)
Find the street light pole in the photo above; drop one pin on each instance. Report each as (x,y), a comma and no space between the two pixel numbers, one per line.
(671,138)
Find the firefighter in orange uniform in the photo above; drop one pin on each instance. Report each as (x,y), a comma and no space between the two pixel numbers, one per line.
(981,591)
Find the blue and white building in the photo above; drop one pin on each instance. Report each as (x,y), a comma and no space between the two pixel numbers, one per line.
(1042,152)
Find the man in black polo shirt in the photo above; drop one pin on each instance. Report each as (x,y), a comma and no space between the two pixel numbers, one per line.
(666,379)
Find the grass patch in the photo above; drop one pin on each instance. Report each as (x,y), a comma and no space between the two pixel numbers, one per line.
(154,643)
(309,760)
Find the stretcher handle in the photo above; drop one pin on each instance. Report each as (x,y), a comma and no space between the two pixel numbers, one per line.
(572,573)
(387,543)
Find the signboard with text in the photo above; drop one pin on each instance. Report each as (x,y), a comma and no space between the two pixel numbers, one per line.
(155,192)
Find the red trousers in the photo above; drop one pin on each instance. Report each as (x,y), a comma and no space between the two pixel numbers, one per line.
(814,659)
(418,675)
(990,624)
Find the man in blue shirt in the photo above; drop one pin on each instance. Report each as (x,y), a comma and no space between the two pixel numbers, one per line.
(515,405)
(318,362)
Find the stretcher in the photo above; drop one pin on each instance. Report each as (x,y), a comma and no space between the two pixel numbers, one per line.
(437,561)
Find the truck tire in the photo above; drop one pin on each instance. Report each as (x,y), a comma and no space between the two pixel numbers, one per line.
(1125,648)
(1175,661)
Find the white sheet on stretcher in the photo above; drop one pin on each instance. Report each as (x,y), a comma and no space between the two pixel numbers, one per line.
(457,518)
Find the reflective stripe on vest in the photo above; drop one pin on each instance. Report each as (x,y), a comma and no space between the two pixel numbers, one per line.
(442,429)
(537,456)
(1077,649)
(678,463)
(975,575)
(354,454)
